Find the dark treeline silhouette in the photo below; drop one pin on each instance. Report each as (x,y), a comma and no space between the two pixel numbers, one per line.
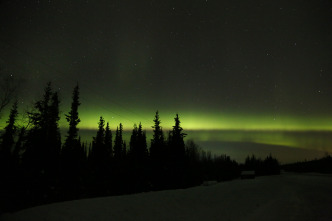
(323,165)
(268,166)
(36,168)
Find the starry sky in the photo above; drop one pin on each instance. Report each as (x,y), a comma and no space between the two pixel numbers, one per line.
(222,65)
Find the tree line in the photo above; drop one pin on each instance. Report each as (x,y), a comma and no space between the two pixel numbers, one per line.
(268,166)
(36,167)
(322,165)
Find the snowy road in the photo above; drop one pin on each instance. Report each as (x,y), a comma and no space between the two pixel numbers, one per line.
(284,197)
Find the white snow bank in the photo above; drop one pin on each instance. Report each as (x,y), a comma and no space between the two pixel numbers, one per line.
(284,197)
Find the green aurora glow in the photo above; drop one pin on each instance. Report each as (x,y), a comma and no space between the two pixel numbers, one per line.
(295,132)
(257,73)
(312,134)
(209,121)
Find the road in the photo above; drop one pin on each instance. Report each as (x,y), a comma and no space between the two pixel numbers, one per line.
(284,197)
(291,197)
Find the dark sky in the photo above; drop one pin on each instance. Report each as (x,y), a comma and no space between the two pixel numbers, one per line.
(219,64)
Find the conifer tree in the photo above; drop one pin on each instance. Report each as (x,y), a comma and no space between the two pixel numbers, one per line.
(8,182)
(99,139)
(141,140)
(98,151)
(73,153)
(54,136)
(7,141)
(39,117)
(100,159)
(73,118)
(138,146)
(133,140)
(43,139)
(176,155)
(108,140)
(119,147)
(158,140)
(7,138)
(176,137)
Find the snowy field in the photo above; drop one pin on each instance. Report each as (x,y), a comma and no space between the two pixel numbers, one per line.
(284,197)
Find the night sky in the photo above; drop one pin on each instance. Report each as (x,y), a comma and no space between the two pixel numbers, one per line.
(222,65)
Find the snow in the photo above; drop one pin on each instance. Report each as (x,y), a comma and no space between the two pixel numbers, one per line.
(284,197)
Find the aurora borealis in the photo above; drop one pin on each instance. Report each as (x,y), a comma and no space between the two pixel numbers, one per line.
(244,66)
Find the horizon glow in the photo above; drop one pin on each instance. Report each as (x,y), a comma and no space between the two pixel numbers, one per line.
(209,121)
(197,121)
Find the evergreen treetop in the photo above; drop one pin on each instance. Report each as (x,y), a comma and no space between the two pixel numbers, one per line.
(100,138)
(119,145)
(72,117)
(108,140)
(158,135)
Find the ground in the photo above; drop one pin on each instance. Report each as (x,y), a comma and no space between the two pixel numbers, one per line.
(284,197)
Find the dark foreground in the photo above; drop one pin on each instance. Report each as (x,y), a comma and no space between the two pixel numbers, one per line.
(284,197)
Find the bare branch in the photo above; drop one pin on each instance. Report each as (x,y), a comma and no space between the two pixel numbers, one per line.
(8,90)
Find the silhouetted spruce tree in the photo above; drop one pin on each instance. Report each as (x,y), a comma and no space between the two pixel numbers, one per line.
(73,155)
(142,150)
(159,156)
(119,147)
(138,156)
(99,153)
(158,140)
(7,139)
(72,151)
(270,166)
(100,160)
(43,143)
(73,119)
(138,146)
(176,155)
(39,118)
(176,142)
(54,136)
(109,175)
(120,164)
(100,138)
(108,140)
(133,140)
(7,161)
(44,137)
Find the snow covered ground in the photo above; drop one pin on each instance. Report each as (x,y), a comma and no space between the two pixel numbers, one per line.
(284,197)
